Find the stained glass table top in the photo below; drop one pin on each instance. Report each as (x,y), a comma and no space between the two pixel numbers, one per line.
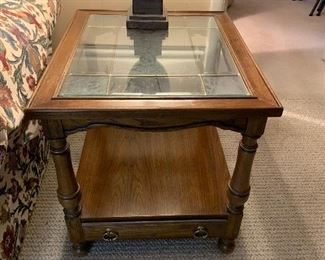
(190,60)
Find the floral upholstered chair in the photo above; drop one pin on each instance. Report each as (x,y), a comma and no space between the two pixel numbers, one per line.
(26,27)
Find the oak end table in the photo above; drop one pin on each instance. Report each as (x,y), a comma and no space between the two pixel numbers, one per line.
(152,165)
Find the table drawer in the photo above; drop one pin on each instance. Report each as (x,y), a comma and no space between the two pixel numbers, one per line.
(154,229)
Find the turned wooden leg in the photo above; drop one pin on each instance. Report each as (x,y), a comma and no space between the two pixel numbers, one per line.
(239,186)
(68,189)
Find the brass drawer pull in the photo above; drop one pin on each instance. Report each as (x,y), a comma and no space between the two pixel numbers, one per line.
(110,235)
(200,232)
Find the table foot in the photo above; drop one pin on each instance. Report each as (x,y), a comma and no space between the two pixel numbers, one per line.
(226,246)
(81,249)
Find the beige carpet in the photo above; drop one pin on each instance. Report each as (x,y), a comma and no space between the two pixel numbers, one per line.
(285,216)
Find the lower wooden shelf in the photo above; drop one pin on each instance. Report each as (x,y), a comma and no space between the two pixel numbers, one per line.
(152,180)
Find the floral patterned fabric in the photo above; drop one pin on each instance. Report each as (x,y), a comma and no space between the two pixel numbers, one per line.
(25,30)
(20,178)
(26,27)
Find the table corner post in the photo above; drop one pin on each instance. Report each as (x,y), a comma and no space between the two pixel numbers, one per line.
(68,191)
(239,185)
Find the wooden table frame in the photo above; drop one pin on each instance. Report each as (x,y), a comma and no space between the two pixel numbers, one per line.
(61,117)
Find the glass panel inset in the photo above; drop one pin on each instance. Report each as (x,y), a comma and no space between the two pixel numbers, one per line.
(152,86)
(189,60)
(92,60)
(141,53)
(212,55)
(103,21)
(224,86)
(192,22)
(99,36)
(86,85)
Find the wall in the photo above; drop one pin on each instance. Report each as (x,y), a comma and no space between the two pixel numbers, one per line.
(70,6)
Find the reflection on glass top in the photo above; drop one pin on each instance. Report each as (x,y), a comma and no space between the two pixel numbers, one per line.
(189,60)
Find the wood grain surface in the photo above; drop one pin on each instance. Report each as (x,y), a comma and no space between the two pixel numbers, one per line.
(154,229)
(127,175)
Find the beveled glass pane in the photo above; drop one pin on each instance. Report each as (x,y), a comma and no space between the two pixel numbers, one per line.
(152,86)
(211,53)
(224,86)
(192,22)
(92,60)
(103,21)
(99,36)
(189,60)
(86,85)
(142,53)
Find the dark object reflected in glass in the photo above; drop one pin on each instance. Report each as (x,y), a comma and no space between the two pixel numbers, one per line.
(147,15)
(147,76)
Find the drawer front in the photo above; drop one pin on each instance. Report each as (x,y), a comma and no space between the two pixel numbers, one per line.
(154,229)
